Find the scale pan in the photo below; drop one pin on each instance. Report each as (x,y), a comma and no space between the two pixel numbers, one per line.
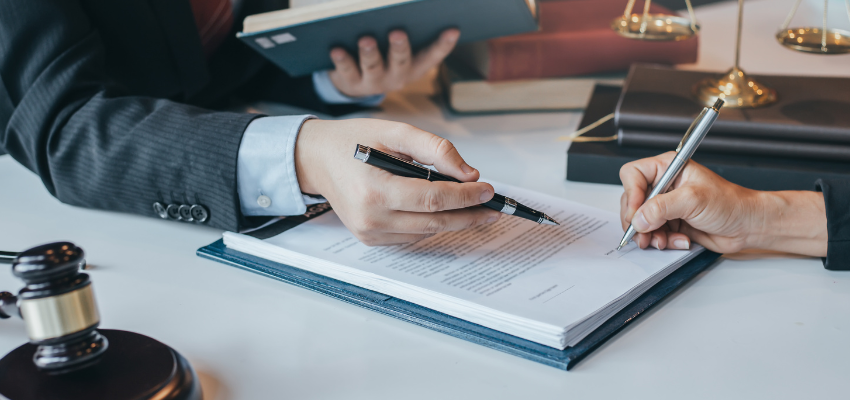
(810,40)
(658,27)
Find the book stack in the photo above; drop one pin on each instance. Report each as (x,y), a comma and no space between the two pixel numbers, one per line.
(600,162)
(556,67)
(810,120)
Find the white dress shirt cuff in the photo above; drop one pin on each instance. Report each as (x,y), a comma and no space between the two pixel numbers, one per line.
(331,95)
(265,168)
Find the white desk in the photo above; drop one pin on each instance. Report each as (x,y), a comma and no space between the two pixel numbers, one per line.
(752,326)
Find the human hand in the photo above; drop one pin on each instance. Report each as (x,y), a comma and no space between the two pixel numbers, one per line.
(701,205)
(381,208)
(374,76)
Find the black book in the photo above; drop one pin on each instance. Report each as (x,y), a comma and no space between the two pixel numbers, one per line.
(731,144)
(809,109)
(600,162)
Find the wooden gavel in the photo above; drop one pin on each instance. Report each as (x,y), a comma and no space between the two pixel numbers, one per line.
(57,306)
(67,356)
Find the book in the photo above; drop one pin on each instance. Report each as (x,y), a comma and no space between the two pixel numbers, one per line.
(809,109)
(548,285)
(299,40)
(731,144)
(600,162)
(446,324)
(575,38)
(467,91)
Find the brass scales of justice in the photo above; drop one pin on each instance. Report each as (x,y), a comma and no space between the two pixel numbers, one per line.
(735,87)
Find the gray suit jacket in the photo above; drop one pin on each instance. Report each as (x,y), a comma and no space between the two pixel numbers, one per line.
(109,103)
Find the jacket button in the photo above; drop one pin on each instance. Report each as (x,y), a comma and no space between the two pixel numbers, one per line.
(264,201)
(199,213)
(159,209)
(185,212)
(173,211)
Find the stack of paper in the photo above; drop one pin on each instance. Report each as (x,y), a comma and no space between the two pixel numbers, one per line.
(550,285)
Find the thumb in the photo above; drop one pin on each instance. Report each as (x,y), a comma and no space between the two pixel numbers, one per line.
(677,204)
(430,149)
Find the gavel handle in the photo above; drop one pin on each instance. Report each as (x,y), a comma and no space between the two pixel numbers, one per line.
(7,257)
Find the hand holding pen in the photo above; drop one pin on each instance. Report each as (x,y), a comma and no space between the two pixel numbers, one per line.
(691,140)
(409,169)
(381,208)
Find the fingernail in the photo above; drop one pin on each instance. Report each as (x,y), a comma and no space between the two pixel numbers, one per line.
(337,55)
(485,196)
(654,243)
(639,222)
(682,244)
(451,37)
(466,168)
(493,218)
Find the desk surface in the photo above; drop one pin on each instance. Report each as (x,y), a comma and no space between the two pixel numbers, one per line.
(752,326)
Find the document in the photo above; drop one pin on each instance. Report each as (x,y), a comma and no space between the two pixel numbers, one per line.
(548,284)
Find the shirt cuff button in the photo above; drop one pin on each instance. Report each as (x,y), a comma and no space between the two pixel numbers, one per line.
(264,201)
(159,209)
(173,211)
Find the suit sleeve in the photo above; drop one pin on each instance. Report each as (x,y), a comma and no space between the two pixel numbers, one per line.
(836,196)
(93,146)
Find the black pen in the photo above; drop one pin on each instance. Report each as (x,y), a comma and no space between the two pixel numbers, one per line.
(397,166)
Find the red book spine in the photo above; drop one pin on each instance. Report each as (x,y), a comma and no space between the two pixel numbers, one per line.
(580,53)
(576,39)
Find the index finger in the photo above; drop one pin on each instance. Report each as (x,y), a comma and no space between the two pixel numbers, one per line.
(419,195)
(638,177)
(435,53)
(428,149)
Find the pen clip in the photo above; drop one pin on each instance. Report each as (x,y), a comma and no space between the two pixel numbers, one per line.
(689,131)
(682,143)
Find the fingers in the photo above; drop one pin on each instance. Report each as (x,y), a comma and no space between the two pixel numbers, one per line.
(682,203)
(638,178)
(428,149)
(625,216)
(399,61)
(417,195)
(345,67)
(435,53)
(404,227)
(372,76)
(400,222)
(371,62)
(678,241)
(663,239)
(446,221)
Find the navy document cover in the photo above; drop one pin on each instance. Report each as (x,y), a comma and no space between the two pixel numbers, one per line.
(547,295)
(299,40)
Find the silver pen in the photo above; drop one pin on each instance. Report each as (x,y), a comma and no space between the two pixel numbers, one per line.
(693,137)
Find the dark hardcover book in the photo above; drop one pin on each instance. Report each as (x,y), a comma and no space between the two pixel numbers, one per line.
(600,162)
(437,321)
(809,109)
(298,40)
(727,144)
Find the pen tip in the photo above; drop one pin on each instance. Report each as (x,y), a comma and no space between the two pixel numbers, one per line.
(623,243)
(547,220)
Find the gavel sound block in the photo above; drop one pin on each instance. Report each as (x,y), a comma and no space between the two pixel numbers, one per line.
(67,356)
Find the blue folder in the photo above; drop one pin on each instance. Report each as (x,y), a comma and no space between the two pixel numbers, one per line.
(428,318)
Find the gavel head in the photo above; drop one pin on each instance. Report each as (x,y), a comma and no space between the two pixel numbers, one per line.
(58,307)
